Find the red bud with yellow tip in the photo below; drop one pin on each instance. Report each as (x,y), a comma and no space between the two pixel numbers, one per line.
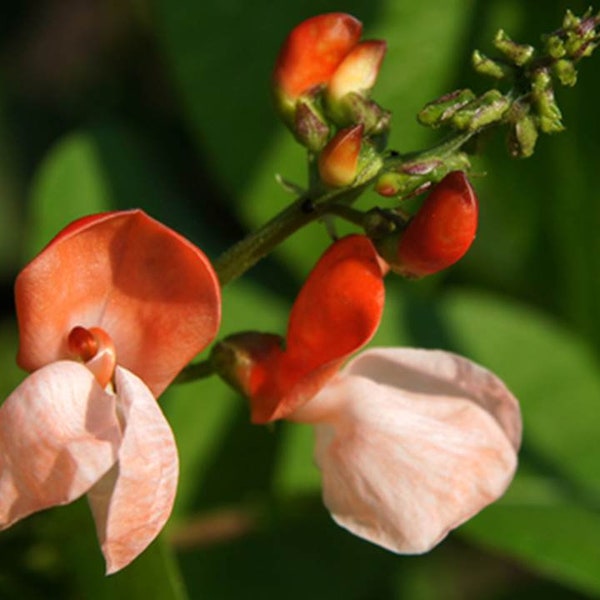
(338,162)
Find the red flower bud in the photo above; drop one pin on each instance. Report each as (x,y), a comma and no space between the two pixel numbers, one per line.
(311,54)
(442,231)
(338,162)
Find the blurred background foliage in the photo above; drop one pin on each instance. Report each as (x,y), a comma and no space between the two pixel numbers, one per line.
(165,105)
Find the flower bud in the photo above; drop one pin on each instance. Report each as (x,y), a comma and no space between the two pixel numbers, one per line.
(411,178)
(338,162)
(523,137)
(518,54)
(565,70)
(239,359)
(310,55)
(440,110)
(439,234)
(486,66)
(543,95)
(488,108)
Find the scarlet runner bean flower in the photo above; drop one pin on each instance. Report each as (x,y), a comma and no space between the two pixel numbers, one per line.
(411,443)
(109,312)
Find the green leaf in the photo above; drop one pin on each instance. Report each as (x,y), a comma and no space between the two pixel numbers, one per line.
(69,184)
(560,541)
(552,371)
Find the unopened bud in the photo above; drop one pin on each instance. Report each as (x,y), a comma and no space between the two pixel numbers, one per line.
(439,234)
(240,359)
(411,178)
(439,111)
(518,54)
(338,162)
(487,66)
(523,137)
(486,109)
(353,79)
(543,95)
(565,70)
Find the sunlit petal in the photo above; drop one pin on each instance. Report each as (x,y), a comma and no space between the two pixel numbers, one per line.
(150,289)
(58,436)
(411,444)
(133,502)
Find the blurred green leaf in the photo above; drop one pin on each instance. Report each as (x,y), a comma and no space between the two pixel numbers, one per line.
(204,414)
(552,371)
(11,374)
(560,541)
(69,184)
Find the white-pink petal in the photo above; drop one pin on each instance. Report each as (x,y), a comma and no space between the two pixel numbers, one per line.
(133,502)
(412,443)
(58,436)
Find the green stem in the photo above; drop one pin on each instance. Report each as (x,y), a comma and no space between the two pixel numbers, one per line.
(247,252)
(194,371)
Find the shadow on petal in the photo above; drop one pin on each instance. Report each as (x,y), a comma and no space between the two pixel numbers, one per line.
(132,503)
(401,467)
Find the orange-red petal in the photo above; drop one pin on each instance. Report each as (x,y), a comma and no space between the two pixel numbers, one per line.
(337,312)
(153,292)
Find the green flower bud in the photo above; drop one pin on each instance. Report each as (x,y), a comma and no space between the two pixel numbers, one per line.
(522,137)
(518,54)
(486,66)
(544,102)
(565,70)
(484,110)
(438,111)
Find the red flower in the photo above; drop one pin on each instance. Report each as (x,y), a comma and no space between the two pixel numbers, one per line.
(411,443)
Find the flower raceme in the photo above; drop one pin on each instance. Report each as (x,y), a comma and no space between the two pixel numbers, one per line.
(109,312)
(411,443)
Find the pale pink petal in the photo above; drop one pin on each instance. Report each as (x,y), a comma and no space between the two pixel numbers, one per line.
(133,502)
(411,444)
(58,436)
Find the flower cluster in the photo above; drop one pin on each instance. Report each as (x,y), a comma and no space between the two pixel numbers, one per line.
(410,442)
